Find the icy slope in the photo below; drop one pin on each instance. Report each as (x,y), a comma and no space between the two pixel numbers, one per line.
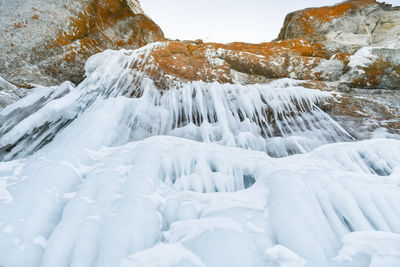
(114,172)
(279,118)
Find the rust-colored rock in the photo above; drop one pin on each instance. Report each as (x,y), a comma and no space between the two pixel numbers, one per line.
(307,23)
(345,27)
(361,111)
(236,62)
(344,57)
(48,42)
(326,47)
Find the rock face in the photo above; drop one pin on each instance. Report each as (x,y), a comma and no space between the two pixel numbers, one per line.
(47,42)
(363,64)
(345,47)
(349,27)
(176,62)
(346,27)
(309,47)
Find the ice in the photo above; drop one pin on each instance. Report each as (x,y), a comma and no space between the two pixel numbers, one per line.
(383,247)
(283,257)
(362,58)
(164,255)
(124,205)
(281,118)
(114,172)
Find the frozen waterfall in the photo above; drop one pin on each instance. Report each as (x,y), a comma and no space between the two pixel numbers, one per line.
(115,172)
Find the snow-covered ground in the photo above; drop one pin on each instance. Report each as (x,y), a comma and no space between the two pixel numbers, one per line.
(200,175)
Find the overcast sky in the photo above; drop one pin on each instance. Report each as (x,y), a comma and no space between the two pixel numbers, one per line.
(226,20)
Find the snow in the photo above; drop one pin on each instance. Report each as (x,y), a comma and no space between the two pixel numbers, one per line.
(9,93)
(383,247)
(163,255)
(199,175)
(283,257)
(362,58)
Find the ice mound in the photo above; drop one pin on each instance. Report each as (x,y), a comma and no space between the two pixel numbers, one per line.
(107,204)
(114,172)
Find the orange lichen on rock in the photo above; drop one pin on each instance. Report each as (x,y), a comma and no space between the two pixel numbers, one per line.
(188,62)
(108,12)
(348,105)
(356,109)
(100,25)
(308,21)
(300,47)
(373,74)
(100,15)
(192,61)
(78,28)
(344,57)
(327,13)
(19,25)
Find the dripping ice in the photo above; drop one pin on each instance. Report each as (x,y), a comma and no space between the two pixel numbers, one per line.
(115,172)
(280,118)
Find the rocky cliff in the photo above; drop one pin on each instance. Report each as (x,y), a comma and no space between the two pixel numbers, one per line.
(352,47)
(202,154)
(356,43)
(48,42)
(346,27)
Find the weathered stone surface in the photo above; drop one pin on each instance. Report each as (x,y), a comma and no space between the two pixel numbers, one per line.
(351,45)
(346,27)
(48,41)
(362,111)
(236,62)
(379,68)
(320,44)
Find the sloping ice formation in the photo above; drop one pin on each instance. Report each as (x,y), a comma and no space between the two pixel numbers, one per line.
(115,172)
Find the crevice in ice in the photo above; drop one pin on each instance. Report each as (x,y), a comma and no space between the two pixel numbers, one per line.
(375,164)
(205,176)
(248,180)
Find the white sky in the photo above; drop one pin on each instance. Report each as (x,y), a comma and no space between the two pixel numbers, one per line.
(225,21)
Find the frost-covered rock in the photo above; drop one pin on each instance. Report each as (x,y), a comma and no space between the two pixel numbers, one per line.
(374,68)
(368,30)
(9,93)
(48,42)
(347,26)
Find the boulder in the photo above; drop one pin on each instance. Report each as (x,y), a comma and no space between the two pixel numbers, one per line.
(373,67)
(185,61)
(48,41)
(347,26)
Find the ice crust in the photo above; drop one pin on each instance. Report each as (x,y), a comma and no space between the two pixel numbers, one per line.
(114,172)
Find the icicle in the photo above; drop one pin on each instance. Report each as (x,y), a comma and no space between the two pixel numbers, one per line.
(280,118)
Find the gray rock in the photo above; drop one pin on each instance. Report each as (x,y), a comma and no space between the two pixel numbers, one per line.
(48,41)
(370,24)
(374,67)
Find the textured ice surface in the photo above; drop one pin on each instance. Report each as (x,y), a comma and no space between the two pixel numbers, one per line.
(280,118)
(200,175)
